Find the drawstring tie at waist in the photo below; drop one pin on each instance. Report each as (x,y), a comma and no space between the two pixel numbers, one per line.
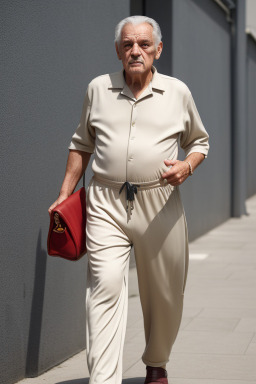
(131,190)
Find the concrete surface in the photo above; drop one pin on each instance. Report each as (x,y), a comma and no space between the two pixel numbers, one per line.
(217,340)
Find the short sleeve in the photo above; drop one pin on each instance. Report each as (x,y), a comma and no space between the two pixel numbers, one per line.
(84,137)
(194,138)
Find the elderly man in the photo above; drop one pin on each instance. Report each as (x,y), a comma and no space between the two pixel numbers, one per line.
(133,121)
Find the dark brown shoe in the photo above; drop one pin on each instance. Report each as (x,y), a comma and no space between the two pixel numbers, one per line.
(156,375)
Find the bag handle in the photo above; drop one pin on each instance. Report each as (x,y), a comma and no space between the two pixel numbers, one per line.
(84,180)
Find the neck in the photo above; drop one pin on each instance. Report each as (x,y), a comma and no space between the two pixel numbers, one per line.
(138,82)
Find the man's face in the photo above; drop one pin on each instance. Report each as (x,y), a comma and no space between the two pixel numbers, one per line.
(137,49)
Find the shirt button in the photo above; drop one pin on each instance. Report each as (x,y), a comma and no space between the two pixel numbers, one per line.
(133,123)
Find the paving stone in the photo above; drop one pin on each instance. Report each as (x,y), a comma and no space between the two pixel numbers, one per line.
(215,299)
(132,355)
(138,339)
(251,350)
(134,311)
(211,324)
(190,312)
(212,366)
(209,381)
(137,370)
(184,322)
(246,325)
(207,278)
(224,312)
(233,256)
(212,342)
(212,244)
(132,332)
(133,289)
(248,247)
(224,288)
(208,271)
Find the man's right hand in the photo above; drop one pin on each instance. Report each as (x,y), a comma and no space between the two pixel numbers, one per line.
(57,202)
(76,166)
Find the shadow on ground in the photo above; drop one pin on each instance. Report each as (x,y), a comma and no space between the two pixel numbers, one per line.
(134,380)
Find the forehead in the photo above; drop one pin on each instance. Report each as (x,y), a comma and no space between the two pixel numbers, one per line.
(143,31)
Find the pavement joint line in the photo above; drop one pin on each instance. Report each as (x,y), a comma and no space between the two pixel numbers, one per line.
(132,366)
(250,342)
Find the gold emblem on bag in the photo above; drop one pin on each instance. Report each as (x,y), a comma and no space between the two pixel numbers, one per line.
(58,228)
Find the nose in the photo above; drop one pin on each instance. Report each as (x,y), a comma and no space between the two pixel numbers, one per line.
(135,50)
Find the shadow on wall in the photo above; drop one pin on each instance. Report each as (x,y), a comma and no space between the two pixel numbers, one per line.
(36,310)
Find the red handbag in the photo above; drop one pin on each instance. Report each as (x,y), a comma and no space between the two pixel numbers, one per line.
(66,236)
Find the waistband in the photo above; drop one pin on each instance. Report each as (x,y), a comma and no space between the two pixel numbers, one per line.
(131,188)
(140,185)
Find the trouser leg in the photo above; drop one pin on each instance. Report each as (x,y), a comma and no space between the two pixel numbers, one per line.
(106,293)
(161,251)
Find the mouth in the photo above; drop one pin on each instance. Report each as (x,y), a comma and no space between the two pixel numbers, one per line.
(135,62)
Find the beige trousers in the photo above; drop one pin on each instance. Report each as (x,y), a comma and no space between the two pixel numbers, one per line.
(157,230)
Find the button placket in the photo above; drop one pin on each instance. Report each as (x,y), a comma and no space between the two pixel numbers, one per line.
(133,121)
(132,136)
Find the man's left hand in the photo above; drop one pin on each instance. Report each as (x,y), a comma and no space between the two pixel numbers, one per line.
(178,172)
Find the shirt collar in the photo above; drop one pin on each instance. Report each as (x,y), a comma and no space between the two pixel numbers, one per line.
(117,81)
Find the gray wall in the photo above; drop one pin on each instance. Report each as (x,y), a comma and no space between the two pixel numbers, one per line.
(251,113)
(163,15)
(198,36)
(201,58)
(50,51)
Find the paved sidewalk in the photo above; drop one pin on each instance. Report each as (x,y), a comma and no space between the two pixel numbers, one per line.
(217,340)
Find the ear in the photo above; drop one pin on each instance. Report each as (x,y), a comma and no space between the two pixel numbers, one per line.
(117,52)
(159,50)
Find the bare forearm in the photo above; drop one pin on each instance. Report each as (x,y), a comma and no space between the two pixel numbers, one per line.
(76,165)
(195,159)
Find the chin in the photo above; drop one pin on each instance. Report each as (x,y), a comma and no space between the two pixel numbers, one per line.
(136,70)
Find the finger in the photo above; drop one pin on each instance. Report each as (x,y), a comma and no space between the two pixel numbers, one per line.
(176,180)
(50,210)
(174,183)
(165,175)
(170,162)
(177,171)
(170,179)
(172,172)
(51,207)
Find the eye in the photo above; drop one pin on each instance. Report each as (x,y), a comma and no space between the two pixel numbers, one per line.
(145,45)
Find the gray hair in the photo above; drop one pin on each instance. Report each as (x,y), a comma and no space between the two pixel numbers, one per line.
(136,20)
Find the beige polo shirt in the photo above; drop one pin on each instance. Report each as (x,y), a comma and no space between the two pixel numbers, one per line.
(131,137)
